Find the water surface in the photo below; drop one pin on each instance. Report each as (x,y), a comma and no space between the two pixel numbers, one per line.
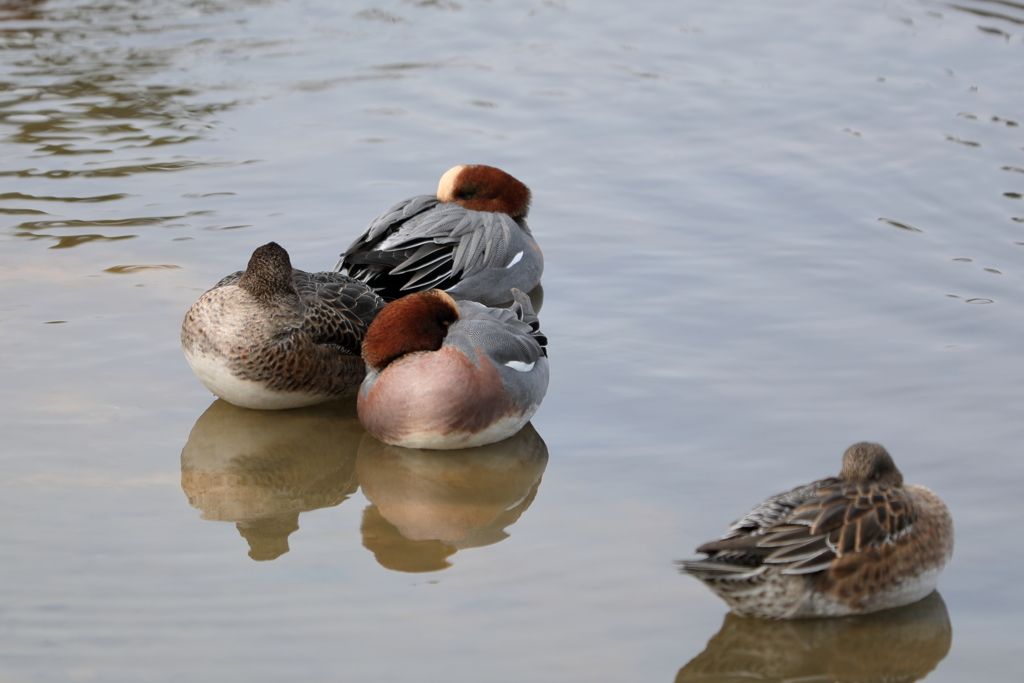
(770,231)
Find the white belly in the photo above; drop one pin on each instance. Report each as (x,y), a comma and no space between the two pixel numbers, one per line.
(215,375)
(908,591)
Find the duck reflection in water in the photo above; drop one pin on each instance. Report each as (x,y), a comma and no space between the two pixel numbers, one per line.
(426,505)
(903,644)
(20,10)
(261,469)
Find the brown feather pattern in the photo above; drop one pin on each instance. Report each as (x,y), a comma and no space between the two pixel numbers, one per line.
(855,543)
(845,518)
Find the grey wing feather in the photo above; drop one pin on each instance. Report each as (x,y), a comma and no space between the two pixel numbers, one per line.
(371,246)
(384,224)
(742,549)
(493,231)
(522,307)
(423,243)
(509,334)
(461,231)
(774,510)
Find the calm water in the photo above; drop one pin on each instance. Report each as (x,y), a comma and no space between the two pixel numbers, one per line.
(771,229)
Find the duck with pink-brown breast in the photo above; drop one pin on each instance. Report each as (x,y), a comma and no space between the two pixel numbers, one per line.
(471,239)
(443,374)
(853,544)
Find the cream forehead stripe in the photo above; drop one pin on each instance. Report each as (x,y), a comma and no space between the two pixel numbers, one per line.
(446,188)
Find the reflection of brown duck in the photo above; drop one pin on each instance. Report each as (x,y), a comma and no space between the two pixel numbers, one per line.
(902,644)
(261,469)
(426,505)
(20,10)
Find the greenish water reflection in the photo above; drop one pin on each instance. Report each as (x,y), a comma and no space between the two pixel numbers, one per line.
(903,644)
(260,468)
(426,505)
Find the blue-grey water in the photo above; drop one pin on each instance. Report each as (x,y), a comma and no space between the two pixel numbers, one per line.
(771,230)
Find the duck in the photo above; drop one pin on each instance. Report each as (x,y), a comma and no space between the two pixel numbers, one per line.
(272,337)
(444,374)
(853,544)
(471,239)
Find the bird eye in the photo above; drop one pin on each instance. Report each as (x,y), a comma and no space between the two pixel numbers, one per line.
(466,192)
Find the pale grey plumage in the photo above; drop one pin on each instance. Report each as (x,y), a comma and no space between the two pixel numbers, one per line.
(510,335)
(423,243)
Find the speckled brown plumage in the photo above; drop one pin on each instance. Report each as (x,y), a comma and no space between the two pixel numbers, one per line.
(284,330)
(850,544)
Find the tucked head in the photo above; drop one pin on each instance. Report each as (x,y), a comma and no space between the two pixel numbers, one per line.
(417,322)
(269,272)
(485,188)
(870,463)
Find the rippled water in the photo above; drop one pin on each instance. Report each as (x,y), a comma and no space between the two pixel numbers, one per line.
(770,230)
